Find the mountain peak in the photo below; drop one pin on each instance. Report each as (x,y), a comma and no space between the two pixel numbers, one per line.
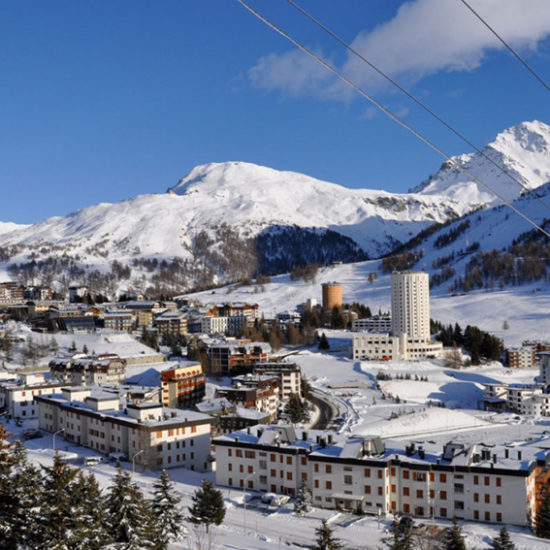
(522,151)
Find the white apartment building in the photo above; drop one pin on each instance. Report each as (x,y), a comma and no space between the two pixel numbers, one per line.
(377,323)
(289,374)
(366,475)
(410,323)
(521,358)
(17,397)
(154,436)
(529,399)
(86,370)
(544,367)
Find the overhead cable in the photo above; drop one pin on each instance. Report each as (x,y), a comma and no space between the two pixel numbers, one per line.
(389,113)
(415,99)
(518,57)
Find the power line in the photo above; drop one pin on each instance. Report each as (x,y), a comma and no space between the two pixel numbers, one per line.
(518,57)
(415,99)
(388,112)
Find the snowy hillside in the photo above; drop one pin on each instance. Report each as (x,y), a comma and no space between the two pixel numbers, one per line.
(229,221)
(522,150)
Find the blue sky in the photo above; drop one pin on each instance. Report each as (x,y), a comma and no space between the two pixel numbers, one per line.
(104,100)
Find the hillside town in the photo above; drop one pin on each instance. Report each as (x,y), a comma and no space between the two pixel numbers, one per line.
(195,393)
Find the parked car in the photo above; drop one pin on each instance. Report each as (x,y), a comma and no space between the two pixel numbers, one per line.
(32,434)
(275,499)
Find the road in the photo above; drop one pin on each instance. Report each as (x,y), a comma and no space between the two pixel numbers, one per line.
(328,411)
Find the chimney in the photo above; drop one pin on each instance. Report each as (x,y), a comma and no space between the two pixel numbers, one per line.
(494,458)
(519,455)
(506,453)
(329,436)
(304,436)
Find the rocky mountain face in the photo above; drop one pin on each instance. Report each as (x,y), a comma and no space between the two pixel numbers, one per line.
(233,220)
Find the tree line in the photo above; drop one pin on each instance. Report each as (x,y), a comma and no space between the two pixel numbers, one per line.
(59,507)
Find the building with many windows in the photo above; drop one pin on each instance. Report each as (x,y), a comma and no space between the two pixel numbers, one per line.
(151,435)
(366,475)
(410,323)
(88,370)
(183,386)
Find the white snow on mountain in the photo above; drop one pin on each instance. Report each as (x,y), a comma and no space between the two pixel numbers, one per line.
(523,151)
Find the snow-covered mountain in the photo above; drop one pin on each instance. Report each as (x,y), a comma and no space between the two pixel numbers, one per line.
(227,221)
(524,153)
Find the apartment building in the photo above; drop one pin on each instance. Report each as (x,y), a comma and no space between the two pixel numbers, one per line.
(17,397)
(153,436)
(88,370)
(171,322)
(232,357)
(529,399)
(410,323)
(377,323)
(183,386)
(11,292)
(366,475)
(119,320)
(521,358)
(290,376)
(260,393)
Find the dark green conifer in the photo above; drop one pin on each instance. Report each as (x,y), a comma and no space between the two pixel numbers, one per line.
(166,511)
(453,538)
(208,507)
(325,538)
(503,541)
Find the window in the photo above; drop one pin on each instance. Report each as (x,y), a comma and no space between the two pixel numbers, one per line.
(272,457)
(250,470)
(289,460)
(241,468)
(348,480)
(498,481)
(239,453)
(476,497)
(459,505)
(379,474)
(380,491)
(499,499)
(499,517)
(393,471)
(367,489)
(316,483)
(476,480)
(316,467)
(443,478)
(328,469)
(432,493)
(230,467)
(419,493)
(406,491)
(328,484)
(405,474)
(476,514)
(303,461)
(443,495)
(487,516)
(406,508)
(486,480)
(487,499)
(367,472)
(443,512)
(272,473)
(432,476)
(393,488)
(289,476)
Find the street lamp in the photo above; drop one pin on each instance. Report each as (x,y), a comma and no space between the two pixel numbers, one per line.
(134,460)
(244,509)
(55,433)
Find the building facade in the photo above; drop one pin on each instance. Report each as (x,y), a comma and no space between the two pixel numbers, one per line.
(84,370)
(151,435)
(366,475)
(410,304)
(183,386)
(332,295)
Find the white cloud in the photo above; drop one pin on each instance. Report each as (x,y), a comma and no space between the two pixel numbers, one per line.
(425,37)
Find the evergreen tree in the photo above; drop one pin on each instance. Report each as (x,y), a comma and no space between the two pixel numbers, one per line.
(166,511)
(303,499)
(453,538)
(503,541)
(325,538)
(128,516)
(72,348)
(296,409)
(208,506)
(542,519)
(25,492)
(56,520)
(85,349)
(90,512)
(401,537)
(323,342)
